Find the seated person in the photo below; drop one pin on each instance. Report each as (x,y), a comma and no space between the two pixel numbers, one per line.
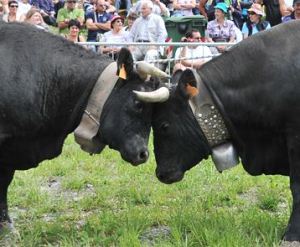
(64,15)
(196,55)
(255,23)
(74,29)
(221,29)
(116,35)
(35,18)
(295,15)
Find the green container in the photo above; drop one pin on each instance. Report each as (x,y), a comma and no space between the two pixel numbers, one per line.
(178,26)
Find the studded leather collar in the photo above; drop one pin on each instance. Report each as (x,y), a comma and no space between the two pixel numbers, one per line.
(208,116)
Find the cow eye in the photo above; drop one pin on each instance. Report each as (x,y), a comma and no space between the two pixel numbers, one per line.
(138,104)
(164,126)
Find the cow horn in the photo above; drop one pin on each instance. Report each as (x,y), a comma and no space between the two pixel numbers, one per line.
(144,68)
(159,95)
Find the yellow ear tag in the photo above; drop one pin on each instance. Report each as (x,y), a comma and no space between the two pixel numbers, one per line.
(122,73)
(192,91)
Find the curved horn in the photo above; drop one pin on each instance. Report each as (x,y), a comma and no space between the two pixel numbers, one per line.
(159,95)
(144,68)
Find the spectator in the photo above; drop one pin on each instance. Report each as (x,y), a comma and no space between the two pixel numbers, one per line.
(124,4)
(73,35)
(183,7)
(208,10)
(286,7)
(35,18)
(46,8)
(148,27)
(97,22)
(255,23)
(220,29)
(13,14)
(24,7)
(295,14)
(272,9)
(197,55)
(116,35)
(110,8)
(64,15)
(130,20)
(159,8)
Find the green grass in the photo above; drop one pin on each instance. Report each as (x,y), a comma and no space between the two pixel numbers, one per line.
(82,200)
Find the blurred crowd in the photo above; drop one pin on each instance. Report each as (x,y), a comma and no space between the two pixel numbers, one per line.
(143,21)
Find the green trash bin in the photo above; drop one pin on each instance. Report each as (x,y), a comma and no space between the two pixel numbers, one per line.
(178,26)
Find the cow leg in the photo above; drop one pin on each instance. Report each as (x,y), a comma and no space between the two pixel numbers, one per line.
(293,230)
(6,177)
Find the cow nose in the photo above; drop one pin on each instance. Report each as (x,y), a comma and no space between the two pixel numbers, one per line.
(143,156)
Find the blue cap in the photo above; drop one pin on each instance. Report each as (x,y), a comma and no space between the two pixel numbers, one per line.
(222,6)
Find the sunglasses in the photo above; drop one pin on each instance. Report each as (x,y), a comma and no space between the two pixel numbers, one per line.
(13,6)
(251,13)
(71,1)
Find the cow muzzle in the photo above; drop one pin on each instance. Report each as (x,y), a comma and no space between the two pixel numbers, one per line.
(169,177)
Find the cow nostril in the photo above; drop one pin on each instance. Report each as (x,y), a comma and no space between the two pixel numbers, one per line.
(144,155)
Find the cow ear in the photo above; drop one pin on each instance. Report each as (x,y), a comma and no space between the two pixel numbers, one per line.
(187,85)
(124,63)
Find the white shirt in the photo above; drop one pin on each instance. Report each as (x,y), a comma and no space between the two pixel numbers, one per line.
(197,53)
(151,28)
(111,37)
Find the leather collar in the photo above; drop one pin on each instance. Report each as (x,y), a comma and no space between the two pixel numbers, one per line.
(213,127)
(86,132)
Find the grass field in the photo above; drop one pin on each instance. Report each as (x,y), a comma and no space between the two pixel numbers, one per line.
(82,200)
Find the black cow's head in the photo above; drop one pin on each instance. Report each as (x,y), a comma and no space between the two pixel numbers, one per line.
(126,121)
(179,143)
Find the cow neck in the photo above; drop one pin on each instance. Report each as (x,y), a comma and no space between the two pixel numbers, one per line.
(86,134)
(213,127)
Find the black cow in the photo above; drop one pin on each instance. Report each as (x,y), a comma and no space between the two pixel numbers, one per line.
(45,86)
(255,88)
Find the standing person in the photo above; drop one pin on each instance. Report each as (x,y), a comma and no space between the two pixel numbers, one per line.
(255,23)
(124,3)
(148,27)
(24,7)
(183,7)
(220,29)
(195,56)
(64,15)
(117,34)
(97,22)
(35,18)
(159,8)
(295,14)
(272,8)
(13,14)
(47,10)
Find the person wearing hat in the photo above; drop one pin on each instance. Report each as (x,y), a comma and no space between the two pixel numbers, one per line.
(220,29)
(117,34)
(295,14)
(255,24)
(64,15)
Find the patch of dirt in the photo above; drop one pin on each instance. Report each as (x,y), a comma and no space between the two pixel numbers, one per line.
(289,244)
(154,234)
(250,196)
